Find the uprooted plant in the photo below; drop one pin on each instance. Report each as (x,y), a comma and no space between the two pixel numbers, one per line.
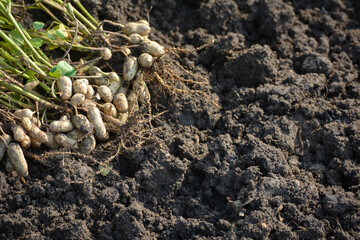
(68,104)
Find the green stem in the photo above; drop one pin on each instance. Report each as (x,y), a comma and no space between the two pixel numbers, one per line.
(8,104)
(31,63)
(42,54)
(19,90)
(13,21)
(4,66)
(86,13)
(21,104)
(45,9)
(58,5)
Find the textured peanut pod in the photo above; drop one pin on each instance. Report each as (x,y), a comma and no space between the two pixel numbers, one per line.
(77,99)
(113,77)
(61,126)
(26,143)
(130,68)
(103,80)
(36,134)
(4,142)
(109,109)
(63,140)
(145,60)
(121,103)
(26,123)
(31,85)
(16,157)
(80,86)
(35,121)
(90,92)
(94,116)
(88,104)
(105,93)
(126,50)
(8,166)
(19,133)
(64,85)
(123,117)
(135,38)
(88,144)
(82,123)
(51,141)
(153,48)
(114,87)
(106,54)
(34,143)
(75,134)
(141,89)
(133,102)
(141,27)
(123,88)
(24,113)
(64,118)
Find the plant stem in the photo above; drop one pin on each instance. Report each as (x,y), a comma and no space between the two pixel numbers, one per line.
(5,66)
(7,104)
(19,90)
(86,13)
(13,21)
(26,57)
(21,104)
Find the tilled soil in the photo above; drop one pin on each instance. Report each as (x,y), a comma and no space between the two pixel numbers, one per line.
(284,147)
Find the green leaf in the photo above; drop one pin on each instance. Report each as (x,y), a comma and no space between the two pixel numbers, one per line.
(38,25)
(51,34)
(36,42)
(105,170)
(55,72)
(62,69)
(60,34)
(15,36)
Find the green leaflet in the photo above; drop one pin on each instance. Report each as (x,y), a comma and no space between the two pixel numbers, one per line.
(62,69)
(38,25)
(105,169)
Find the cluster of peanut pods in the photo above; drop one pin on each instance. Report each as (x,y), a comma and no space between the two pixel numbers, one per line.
(102,93)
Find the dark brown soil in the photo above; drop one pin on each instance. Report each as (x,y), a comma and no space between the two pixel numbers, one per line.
(285,146)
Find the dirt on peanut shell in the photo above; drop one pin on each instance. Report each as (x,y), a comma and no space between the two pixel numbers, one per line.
(284,147)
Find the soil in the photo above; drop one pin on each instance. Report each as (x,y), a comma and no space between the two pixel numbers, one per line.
(279,160)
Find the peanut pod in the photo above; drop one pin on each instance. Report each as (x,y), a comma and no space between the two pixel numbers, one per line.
(145,60)
(19,133)
(105,93)
(130,68)
(88,144)
(64,85)
(63,140)
(153,48)
(4,142)
(36,134)
(109,109)
(80,86)
(23,113)
(77,99)
(94,116)
(121,103)
(51,143)
(141,27)
(82,123)
(16,157)
(61,126)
